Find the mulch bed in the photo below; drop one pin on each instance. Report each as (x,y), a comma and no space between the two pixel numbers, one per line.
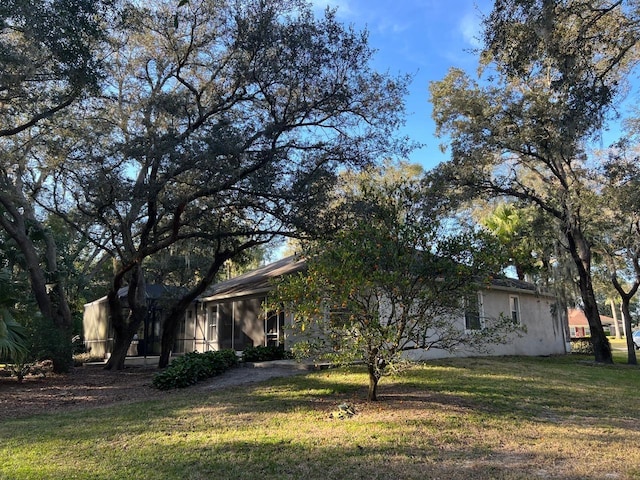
(82,387)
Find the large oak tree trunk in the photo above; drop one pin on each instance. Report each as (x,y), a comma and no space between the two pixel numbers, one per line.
(125,327)
(581,254)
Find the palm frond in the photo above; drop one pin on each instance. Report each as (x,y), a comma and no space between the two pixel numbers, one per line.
(13,338)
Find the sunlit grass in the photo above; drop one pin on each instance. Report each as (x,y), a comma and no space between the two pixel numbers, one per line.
(512,418)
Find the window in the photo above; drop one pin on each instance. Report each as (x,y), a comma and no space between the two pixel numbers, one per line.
(473,312)
(514,307)
(212,323)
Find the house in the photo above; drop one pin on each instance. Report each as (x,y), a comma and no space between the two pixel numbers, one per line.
(579,325)
(230,315)
(544,331)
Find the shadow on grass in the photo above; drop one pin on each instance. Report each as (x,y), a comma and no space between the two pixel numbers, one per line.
(290,460)
(215,434)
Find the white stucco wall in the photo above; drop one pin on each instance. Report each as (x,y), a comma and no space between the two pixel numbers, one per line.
(543,333)
(95,327)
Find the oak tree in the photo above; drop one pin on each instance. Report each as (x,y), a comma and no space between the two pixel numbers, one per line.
(552,71)
(47,63)
(226,128)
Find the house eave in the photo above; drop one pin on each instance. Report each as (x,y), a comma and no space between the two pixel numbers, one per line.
(235,295)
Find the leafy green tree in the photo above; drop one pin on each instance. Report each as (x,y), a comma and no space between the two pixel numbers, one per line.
(389,281)
(620,236)
(224,128)
(47,63)
(47,58)
(552,70)
(512,226)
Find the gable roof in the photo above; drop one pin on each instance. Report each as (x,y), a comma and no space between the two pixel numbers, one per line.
(260,281)
(255,281)
(152,292)
(578,318)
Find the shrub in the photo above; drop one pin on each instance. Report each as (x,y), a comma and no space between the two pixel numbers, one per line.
(264,354)
(193,367)
(49,342)
(582,346)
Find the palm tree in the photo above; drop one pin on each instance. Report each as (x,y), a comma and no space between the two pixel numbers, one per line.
(511,225)
(13,336)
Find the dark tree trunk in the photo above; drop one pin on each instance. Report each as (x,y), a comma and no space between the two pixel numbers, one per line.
(631,351)
(170,327)
(626,311)
(581,254)
(126,327)
(176,314)
(374,378)
(47,285)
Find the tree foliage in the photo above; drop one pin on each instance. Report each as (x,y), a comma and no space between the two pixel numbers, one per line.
(514,227)
(224,129)
(552,70)
(620,232)
(47,62)
(47,58)
(389,281)
(13,336)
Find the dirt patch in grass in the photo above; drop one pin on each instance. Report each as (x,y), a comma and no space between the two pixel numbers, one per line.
(93,386)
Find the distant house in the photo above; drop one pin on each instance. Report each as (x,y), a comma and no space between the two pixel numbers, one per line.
(579,325)
(230,315)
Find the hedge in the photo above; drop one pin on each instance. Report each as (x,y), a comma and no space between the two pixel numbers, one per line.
(193,367)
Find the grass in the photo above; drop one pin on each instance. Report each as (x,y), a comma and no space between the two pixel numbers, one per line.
(503,418)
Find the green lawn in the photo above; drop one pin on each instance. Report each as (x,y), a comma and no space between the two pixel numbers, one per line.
(514,418)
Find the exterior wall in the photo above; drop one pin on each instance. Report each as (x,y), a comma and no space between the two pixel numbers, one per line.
(98,338)
(544,331)
(98,333)
(544,334)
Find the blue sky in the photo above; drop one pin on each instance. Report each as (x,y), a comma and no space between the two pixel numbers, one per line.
(421,37)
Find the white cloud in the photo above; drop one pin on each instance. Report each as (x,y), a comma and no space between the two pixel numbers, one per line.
(471,29)
(343,7)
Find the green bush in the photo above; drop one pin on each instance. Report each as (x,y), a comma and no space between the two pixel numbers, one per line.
(265,354)
(49,342)
(193,367)
(582,346)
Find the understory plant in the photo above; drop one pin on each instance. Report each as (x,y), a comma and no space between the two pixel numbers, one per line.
(263,353)
(192,367)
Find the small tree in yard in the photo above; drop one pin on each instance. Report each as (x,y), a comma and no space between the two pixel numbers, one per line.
(389,282)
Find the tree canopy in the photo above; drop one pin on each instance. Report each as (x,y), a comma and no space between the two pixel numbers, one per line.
(552,72)
(47,61)
(391,280)
(225,128)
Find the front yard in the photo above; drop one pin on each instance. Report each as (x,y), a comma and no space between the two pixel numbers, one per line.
(511,418)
